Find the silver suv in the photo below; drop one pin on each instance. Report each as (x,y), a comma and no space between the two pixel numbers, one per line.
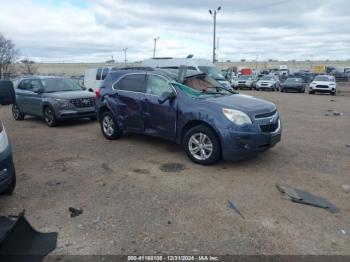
(53,98)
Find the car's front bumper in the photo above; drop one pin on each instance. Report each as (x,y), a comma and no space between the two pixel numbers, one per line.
(71,113)
(323,90)
(242,145)
(7,169)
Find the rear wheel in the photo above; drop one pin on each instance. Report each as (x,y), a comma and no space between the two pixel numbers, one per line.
(109,126)
(49,116)
(202,145)
(16,112)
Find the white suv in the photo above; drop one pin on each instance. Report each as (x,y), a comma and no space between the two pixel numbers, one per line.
(323,84)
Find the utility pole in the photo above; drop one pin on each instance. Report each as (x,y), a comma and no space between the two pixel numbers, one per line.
(155,46)
(125,60)
(213,14)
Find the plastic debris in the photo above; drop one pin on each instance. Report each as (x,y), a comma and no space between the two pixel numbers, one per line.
(306,198)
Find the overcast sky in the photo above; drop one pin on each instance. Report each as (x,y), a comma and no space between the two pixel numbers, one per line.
(95,30)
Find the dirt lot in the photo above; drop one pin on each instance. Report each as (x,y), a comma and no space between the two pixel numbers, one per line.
(131,207)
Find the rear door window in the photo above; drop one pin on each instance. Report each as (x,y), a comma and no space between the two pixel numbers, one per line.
(133,83)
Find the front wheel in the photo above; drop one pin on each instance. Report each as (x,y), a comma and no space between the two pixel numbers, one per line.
(202,145)
(49,116)
(109,126)
(333,93)
(16,112)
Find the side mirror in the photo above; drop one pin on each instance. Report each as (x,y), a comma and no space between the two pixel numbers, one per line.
(38,90)
(7,93)
(165,96)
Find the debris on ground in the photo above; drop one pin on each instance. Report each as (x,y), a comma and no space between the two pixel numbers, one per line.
(19,238)
(172,167)
(231,205)
(306,198)
(332,112)
(343,232)
(348,146)
(75,212)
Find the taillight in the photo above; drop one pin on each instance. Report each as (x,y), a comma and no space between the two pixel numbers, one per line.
(97,93)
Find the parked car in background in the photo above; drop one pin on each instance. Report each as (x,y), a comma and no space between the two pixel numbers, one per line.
(244,82)
(306,76)
(323,84)
(196,112)
(52,98)
(201,65)
(293,84)
(7,168)
(268,82)
(94,77)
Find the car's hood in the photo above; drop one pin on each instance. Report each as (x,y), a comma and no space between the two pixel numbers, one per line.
(71,94)
(248,104)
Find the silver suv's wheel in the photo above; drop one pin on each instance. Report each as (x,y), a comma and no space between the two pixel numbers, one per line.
(202,145)
(16,112)
(49,116)
(109,126)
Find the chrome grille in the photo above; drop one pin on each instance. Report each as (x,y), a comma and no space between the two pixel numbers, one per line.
(83,102)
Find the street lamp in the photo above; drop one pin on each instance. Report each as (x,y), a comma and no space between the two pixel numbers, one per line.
(155,46)
(213,14)
(125,60)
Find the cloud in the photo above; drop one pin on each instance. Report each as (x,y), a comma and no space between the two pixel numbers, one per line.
(95,30)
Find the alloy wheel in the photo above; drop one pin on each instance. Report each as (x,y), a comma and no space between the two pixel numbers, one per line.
(200,146)
(15,111)
(49,117)
(108,125)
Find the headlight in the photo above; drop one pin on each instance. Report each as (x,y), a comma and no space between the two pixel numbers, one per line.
(237,117)
(62,102)
(4,142)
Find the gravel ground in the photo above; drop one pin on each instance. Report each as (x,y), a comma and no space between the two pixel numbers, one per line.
(132,207)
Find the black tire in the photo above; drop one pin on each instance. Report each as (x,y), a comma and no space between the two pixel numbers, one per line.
(210,137)
(282,90)
(109,126)
(16,112)
(333,93)
(257,89)
(49,116)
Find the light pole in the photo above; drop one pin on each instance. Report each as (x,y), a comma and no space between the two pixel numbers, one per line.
(155,46)
(125,60)
(213,14)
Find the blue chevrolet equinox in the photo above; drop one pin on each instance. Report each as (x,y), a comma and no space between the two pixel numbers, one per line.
(190,108)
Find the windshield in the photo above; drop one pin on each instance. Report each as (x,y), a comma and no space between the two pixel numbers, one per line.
(212,71)
(324,79)
(294,80)
(59,85)
(268,78)
(243,77)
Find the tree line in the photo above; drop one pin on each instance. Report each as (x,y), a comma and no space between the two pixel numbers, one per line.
(10,64)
